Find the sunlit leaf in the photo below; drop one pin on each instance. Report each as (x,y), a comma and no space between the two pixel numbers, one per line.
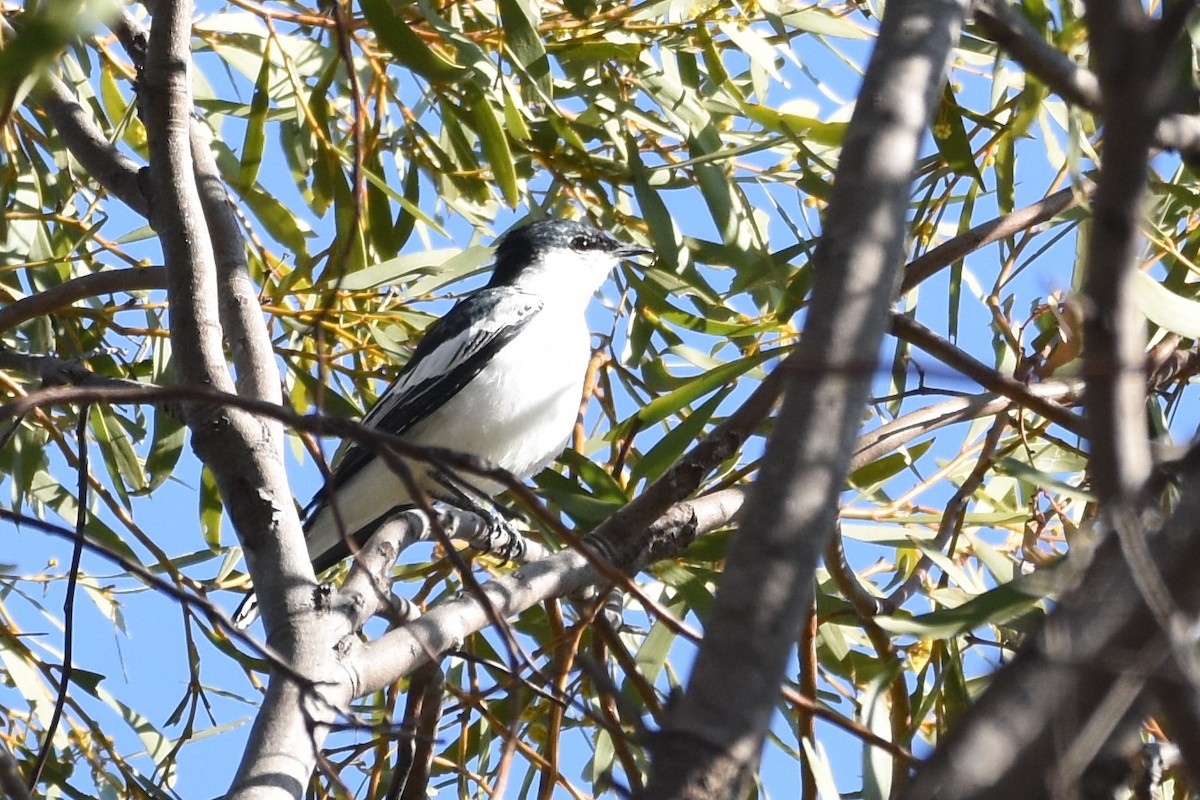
(405,45)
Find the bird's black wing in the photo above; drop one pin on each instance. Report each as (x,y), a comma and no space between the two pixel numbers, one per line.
(453,351)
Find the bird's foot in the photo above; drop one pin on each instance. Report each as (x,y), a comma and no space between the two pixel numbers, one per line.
(501,539)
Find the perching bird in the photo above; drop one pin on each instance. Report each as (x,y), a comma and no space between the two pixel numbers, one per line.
(499,377)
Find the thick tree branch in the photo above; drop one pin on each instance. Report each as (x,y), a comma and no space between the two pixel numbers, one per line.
(104,161)
(561,573)
(11,780)
(711,742)
(1009,28)
(241,315)
(243,452)
(366,592)
(242,319)
(1114,339)
(1008,743)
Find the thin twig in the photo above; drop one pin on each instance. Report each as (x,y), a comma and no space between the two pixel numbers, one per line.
(917,334)
(64,294)
(64,679)
(210,610)
(945,254)
(422,715)
(806,654)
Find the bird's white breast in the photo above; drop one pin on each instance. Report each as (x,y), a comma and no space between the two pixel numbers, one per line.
(519,410)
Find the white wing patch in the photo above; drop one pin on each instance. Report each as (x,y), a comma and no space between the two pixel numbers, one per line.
(509,311)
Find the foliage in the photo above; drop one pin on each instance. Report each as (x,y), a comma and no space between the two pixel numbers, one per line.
(373,151)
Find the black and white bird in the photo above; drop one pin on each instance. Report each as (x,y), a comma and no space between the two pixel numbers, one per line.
(499,377)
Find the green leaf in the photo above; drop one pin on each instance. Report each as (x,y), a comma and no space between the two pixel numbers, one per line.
(519,21)
(662,407)
(951,137)
(46,488)
(409,49)
(406,217)
(874,713)
(586,509)
(595,477)
(795,125)
(288,228)
(211,509)
(753,45)
(166,447)
(823,22)
(326,172)
(676,441)
(1165,308)
(256,123)
(494,142)
(1019,469)
(21,670)
(712,58)
(994,607)
(395,270)
(41,36)
(667,241)
(655,649)
(169,434)
(818,762)
(121,460)
(889,465)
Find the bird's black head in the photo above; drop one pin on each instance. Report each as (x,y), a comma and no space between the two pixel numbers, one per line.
(529,244)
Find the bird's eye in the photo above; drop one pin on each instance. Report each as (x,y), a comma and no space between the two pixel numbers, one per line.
(583,243)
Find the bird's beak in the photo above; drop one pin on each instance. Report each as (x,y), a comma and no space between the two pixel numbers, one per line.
(632,250)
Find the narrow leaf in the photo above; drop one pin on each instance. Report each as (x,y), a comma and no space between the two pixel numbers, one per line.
(256,123)
(494,142)
(1165,308)
(394,33)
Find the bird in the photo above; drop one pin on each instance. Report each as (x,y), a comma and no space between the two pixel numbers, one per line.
(499,377)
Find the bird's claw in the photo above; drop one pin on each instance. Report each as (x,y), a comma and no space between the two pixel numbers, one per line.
(503,540)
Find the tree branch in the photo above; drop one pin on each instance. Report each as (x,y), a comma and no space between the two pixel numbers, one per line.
(1008,742)
(1080,678)
(917,334)
(887,438)
(712,739)
(104,161)
(59,297)
(243,452)
(945,254)
(1114,338)
(11,781)
(241,315)
(1009,28)
(375,665)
